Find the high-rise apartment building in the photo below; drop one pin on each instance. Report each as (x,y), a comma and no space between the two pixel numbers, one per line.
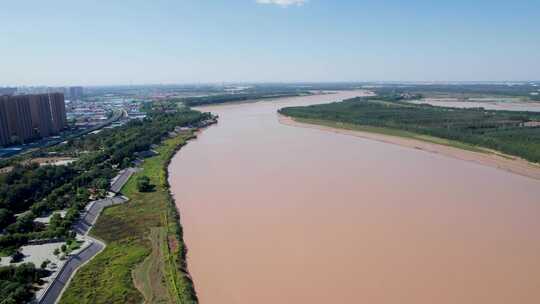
(4,126)
(26,117)
(76,93)
(58,111)
(19,118)
(40,110)
(7,91)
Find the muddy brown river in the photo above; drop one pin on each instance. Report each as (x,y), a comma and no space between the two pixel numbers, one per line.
(280,214)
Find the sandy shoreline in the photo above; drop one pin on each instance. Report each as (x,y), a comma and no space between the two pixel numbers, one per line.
(514,165)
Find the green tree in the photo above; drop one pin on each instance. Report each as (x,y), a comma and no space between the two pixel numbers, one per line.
(55,222)
(143,184)
(6,218)
(101,183)
(17,257)
(45,263)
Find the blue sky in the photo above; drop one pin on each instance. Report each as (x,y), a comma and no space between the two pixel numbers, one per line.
(61,42)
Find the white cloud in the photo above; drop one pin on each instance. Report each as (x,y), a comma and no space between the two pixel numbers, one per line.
(283,3)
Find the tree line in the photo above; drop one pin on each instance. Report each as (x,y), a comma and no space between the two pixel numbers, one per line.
(504,131)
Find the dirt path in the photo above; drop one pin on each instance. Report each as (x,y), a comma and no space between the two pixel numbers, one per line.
(503,162)
(148,277)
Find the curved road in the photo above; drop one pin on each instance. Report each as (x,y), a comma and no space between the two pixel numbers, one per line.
(53,293)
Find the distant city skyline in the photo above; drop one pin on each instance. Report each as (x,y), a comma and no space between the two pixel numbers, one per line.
(61,43)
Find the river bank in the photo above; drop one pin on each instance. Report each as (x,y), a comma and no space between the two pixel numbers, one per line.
(444,147)
(145,255)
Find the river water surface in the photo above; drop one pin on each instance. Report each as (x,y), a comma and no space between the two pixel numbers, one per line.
(279,214)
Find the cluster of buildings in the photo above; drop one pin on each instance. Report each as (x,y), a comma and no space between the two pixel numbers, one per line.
(27,117)
(95,110)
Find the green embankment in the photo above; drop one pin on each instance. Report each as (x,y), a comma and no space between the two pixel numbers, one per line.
(144,244)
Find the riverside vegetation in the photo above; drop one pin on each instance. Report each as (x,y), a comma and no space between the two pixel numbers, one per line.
(505,131)
(16,283)
(241,97)
(148,223)
(33,191)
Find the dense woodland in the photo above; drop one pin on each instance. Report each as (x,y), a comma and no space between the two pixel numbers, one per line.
(29,191)
(16,283)
(224,98)
(499,130)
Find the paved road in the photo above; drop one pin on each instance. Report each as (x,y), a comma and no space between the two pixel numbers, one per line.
(81,227)
(55,290)
(90,216)
(122,180)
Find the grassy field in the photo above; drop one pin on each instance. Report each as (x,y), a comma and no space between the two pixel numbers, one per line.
(144,245)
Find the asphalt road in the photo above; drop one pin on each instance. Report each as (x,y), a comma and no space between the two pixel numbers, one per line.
(81,227)
(89,218)
(55,290)
(122,179)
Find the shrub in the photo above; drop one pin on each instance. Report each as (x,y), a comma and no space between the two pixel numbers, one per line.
(143,184)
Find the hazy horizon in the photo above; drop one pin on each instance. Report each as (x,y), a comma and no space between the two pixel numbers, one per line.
(61,43)
(230,83)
